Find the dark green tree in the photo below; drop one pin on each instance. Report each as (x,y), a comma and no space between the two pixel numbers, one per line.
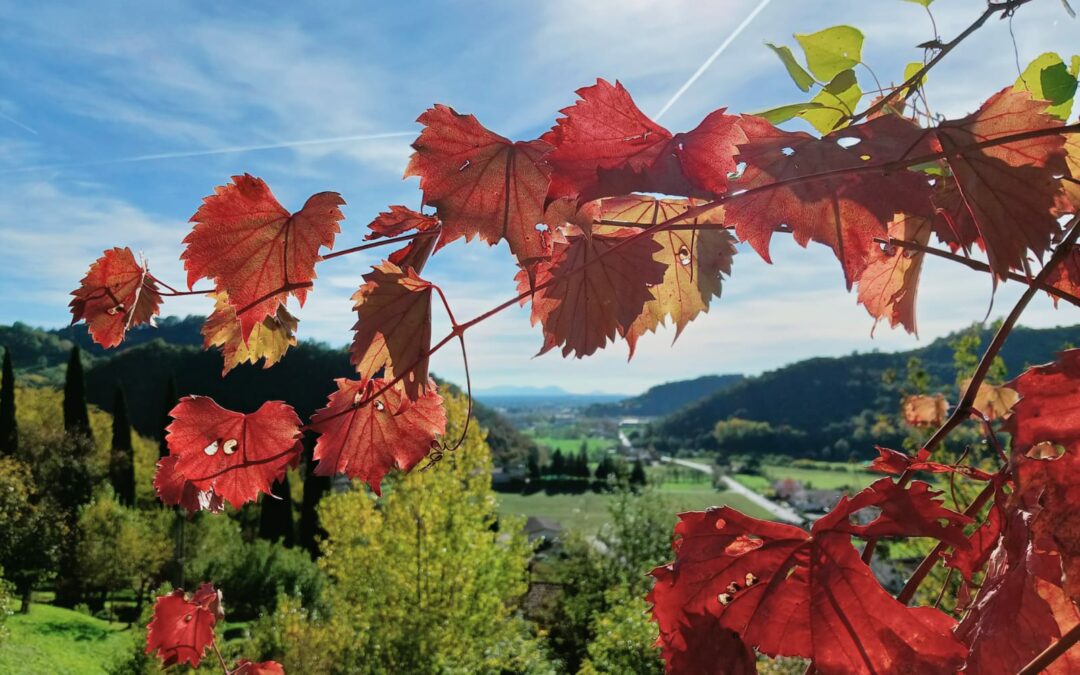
(76,417)
(605,469)
(637,474)
(533,465)
(581,462)
(276,514)
(314,488)
(170,402)
(558,464)
(9,427)
(121,457)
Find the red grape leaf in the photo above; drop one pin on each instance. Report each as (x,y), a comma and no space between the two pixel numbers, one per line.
(116,294)
(269,339)
(235,455)
(704,647)
(1048,416)
(264,668)
(399,220)
(890,282)
(1009,190)
(365,438)
(606,146)
(1066,276)
(481,183)
(1020,608)
(841,209)
(183,626)
(695,261)
(254,250)
(982,542)
(790,593)
(393,328)
(895,463)
(925,410)
(175,490)
(591,298)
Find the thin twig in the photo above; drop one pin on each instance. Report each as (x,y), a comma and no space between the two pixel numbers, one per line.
(978,266)
(908,87)
(1051,653)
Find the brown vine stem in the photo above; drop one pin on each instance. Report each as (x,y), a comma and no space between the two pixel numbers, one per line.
(220,658)
(1051,653)
(963,408)
(977,265)
(382,242)
(927,564)
(909,85)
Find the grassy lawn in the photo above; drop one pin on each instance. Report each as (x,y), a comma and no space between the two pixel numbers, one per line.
(586,512)
(59,641)
(821,479)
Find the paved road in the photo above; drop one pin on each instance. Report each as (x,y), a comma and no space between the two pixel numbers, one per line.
(783,513)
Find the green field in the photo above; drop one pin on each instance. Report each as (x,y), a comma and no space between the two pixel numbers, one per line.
(586,512)
(821,479)
(59,641)
(572,445)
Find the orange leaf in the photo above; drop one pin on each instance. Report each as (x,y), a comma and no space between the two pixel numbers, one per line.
(116,294)
(481,183)
(591,298)
(269,339)
(254,250)
(393,328)
(889,284)
(921,410)
(1009,190)
(364,437)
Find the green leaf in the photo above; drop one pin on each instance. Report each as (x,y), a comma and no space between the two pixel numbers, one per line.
(912,68)
(836,101)
(1049,79)
(785,112)
(924,3)
(803,80)
(831,51)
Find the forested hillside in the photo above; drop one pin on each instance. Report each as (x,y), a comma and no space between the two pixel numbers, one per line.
(665,398)
(144,366)
(825,407)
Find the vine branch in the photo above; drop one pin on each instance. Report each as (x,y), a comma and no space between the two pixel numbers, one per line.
(908,86)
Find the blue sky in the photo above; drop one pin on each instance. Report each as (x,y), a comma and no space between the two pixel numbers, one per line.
(93,94)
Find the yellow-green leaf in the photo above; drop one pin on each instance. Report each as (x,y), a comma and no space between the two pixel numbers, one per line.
(785,112)
(831,51)
(1049,79)
(803,80)
(836,101)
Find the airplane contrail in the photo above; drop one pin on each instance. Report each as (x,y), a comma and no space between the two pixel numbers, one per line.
(18,124)
(216,151)
(709,61)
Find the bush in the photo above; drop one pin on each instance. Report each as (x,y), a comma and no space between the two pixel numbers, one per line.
(250,574)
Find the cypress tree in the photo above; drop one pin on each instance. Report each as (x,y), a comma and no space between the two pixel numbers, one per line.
(314,489)
(534,464)
(76,418)
(637,474)
(121,459)
(9,427)
(171,399)
(276,514)
(558,464)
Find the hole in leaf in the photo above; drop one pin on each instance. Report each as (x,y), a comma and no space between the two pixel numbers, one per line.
(788,152)
(464,165)
(684,255)
(380,406)
(848,141)
(211,449)
(229,446)
(1046,450)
